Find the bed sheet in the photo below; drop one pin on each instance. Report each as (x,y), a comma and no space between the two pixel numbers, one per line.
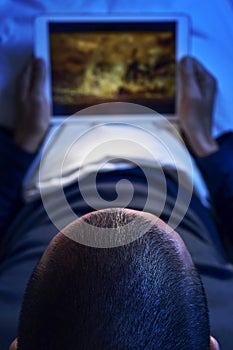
(211,38)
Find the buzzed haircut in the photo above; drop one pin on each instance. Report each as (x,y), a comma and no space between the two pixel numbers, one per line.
(138,296)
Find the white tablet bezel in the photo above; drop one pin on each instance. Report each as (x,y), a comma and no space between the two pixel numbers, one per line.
(41,43)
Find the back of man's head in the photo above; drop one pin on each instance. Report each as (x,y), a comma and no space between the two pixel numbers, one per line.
(142,295)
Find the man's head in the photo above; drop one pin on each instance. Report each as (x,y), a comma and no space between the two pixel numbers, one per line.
(143,295)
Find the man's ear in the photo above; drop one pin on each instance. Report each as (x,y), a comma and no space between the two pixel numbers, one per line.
(213,344)
(13,345)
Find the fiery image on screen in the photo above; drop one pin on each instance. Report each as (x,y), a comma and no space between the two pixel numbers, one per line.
(90,68)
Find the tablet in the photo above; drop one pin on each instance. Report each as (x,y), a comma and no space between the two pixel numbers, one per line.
(98,59)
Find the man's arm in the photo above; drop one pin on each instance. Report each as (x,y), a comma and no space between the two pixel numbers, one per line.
(214,157)
(217,170)
(17,151)
(14,163)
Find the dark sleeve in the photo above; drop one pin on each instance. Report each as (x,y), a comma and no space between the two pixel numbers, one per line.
(217,170)
(14,163)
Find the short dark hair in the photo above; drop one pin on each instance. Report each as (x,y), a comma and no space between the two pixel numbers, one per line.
(137,296)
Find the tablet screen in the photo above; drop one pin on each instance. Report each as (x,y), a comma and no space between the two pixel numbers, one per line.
(94,63)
